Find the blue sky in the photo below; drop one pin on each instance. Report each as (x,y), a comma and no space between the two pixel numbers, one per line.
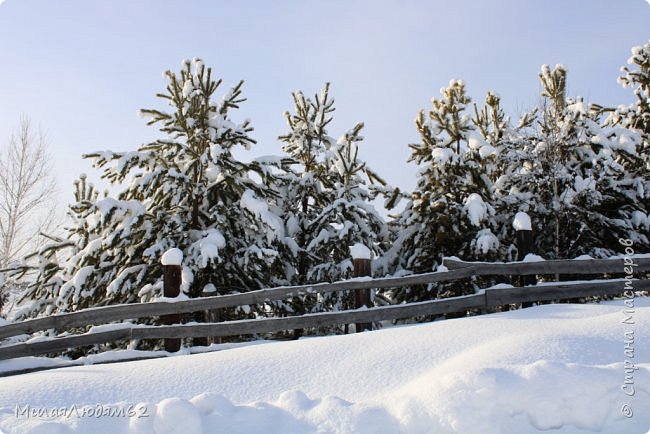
(81,69)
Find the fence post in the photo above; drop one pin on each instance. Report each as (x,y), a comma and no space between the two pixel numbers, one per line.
(171,262)
(524,243)
(210,315)
(361,263)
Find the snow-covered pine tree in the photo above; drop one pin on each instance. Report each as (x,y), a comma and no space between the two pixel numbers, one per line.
(511,173)
(349,219)
(325,200)
(302,191)
(306,188)
(565,172)
(635,118)
(46,266)
(184,190)
(450,211)
(504,142)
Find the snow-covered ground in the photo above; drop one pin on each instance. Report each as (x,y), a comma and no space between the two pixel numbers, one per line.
(552,368)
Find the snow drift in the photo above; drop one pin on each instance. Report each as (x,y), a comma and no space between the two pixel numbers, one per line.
(556,368)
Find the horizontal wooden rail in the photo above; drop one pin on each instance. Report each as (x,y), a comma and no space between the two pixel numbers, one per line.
(61,344)
(559,266)
(267,325)
(458,270)
(561,291)
(105,314)
(488,298)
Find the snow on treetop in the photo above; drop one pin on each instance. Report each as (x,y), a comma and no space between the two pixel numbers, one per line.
(359,251)
(172,256)
(522,222)
(639,219)
(475,141)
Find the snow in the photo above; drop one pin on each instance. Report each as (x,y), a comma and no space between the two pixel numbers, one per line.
(486,241)
(110,327)
(172,256)
(522,222)
(531,257)
(359,251)
(269,159)
(208,245)
(475,141)
(176,415)
(556,368)
(443,156)
(639,219)
(476,209)
(487,150)
(260,209)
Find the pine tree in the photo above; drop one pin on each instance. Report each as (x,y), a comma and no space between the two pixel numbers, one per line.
(349,219)
(512,178)
(305,186)
(450,211)
(508,146)
(325,200)
(184,190)
(636,119)
(637,116)
(566,172)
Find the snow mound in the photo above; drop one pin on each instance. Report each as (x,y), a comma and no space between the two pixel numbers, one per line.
(555,368)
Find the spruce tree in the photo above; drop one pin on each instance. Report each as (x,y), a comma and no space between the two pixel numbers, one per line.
(325,201)
(565,170)
(450,211)
(305,185)
(184,190)
(636,119)
(349,219)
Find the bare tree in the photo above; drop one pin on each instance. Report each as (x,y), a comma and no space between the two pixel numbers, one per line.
(27,203)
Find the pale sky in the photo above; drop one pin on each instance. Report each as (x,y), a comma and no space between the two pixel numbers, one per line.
(82,68)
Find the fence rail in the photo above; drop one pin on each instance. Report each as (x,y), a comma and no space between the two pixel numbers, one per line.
(488,298)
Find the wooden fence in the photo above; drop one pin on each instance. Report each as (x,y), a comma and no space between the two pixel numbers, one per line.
(485,299)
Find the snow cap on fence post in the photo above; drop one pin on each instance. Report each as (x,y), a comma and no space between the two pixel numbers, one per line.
(359,251)
(522,222)
(172,256)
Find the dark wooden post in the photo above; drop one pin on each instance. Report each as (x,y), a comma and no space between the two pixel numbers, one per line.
(524,243)
(171,261)
(361,264)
